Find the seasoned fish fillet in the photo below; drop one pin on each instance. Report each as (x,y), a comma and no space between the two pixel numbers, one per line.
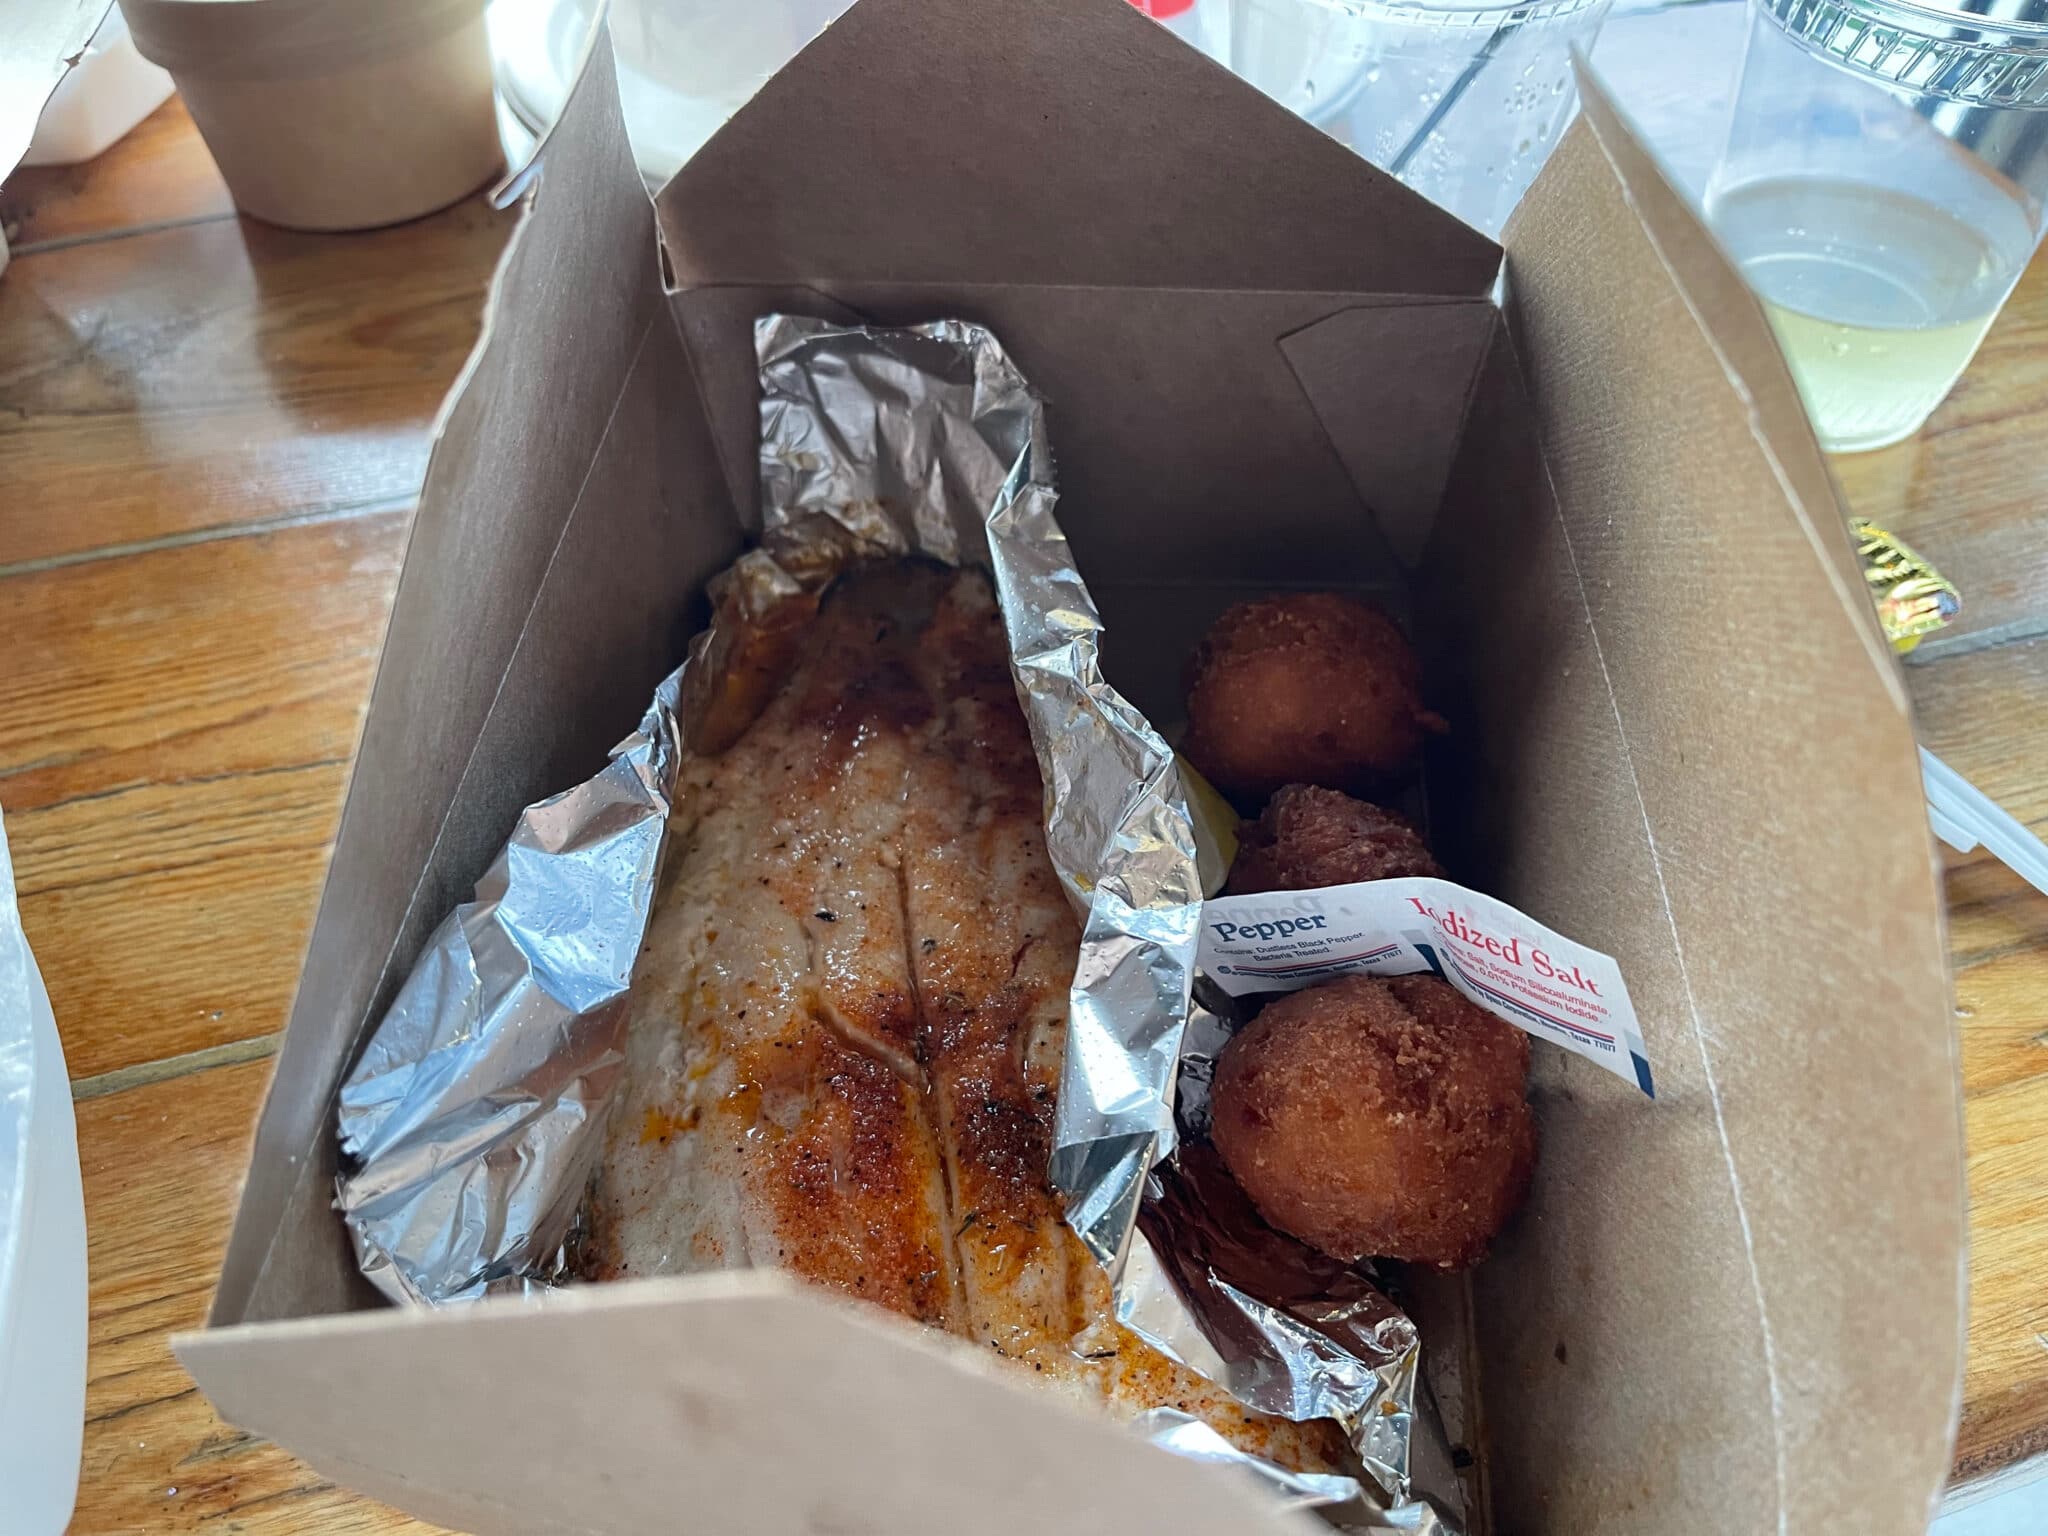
(770,1111)
(845,1032)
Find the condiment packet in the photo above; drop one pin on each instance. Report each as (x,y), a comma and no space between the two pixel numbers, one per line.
(1504,960)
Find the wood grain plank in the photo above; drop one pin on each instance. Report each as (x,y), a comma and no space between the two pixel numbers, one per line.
(2002,1007)
(196,945)
(163,1165)
(174,734)
(1970,492)
(159,174)
(2005,1388)
(217,374)
(1998,936)
(1985,714)
(194,661)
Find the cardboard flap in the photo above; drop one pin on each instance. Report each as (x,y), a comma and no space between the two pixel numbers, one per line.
(1390,387)
(731,1404)
(1702,1321)
(1090,100)
(1125,373)
(514,446)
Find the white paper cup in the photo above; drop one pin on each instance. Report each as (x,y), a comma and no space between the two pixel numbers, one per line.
(333,114)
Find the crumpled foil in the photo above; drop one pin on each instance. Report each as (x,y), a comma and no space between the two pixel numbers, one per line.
(470,1126)
(1296,1332)
(473,1118)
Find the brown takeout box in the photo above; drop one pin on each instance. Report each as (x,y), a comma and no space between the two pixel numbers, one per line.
(1678,735)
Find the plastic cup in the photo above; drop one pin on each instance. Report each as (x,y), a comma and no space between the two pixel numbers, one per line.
(1463,102)
(1882,188)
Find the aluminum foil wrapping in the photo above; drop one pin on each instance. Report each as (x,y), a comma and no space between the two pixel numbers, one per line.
(471,1123)
(1296,1332)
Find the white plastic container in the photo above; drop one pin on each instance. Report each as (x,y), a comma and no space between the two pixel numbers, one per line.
(42,1248)
(109,90)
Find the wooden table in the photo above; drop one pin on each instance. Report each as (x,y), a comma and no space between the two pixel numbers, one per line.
(211,433)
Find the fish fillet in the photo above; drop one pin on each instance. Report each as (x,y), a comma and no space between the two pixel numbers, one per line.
(845,1033)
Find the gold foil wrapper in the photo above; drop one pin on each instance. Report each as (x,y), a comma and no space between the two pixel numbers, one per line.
(1913,598)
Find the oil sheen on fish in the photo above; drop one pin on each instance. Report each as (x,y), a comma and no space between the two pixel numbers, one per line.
(845,1032)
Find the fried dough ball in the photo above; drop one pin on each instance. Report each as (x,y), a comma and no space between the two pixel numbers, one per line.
(1379,1117)
(1309,837)
(1310,688)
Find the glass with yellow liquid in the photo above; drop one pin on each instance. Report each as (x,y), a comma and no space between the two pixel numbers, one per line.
(1882,191)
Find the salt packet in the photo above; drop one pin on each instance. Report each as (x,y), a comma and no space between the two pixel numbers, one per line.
(1504,960)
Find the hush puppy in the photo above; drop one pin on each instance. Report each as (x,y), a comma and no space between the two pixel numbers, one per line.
(1311,688)
(1379,1117)
(1309,837)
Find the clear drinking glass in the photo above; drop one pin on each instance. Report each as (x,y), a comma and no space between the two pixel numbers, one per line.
(1462,101)
(1882,190)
